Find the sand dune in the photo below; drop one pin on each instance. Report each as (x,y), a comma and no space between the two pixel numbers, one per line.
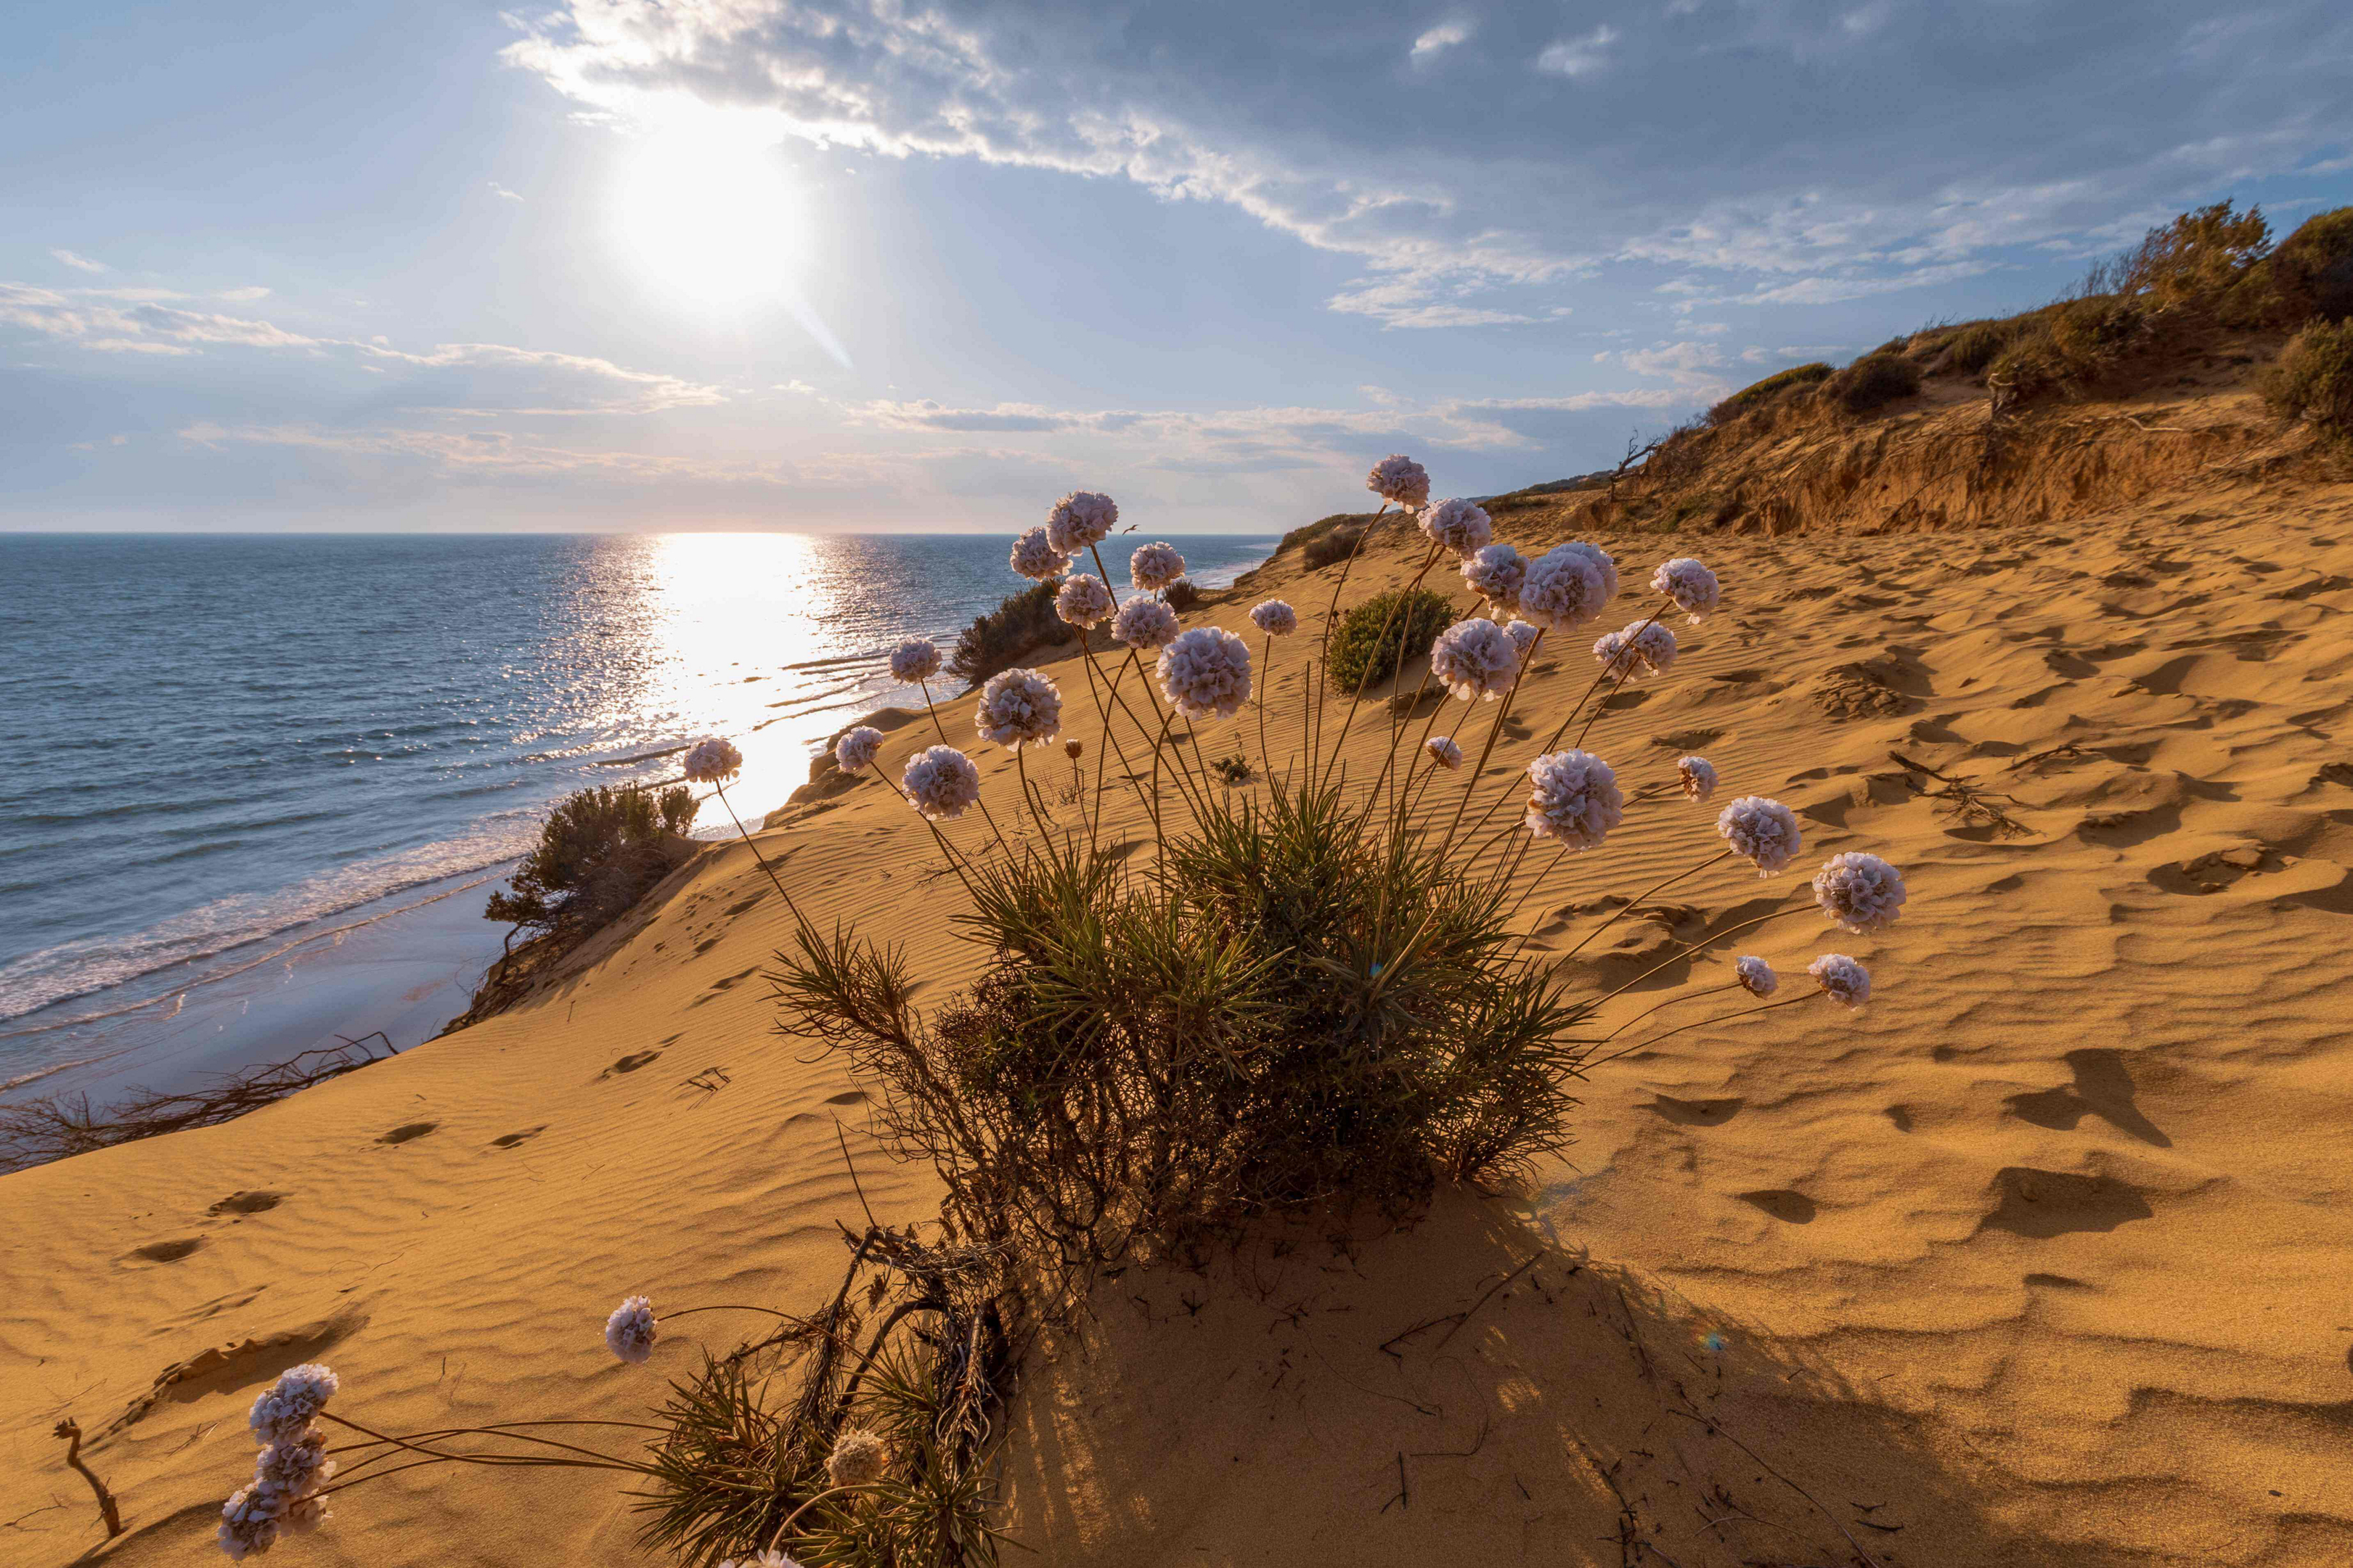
(2041,1258)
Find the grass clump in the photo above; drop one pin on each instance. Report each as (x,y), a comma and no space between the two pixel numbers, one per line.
(1379,638)
(2314,379)
(1875,381)
(600,851)
(1334,545)
(1769,390)
(1000,639)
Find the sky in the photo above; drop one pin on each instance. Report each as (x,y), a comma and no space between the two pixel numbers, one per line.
(901,266)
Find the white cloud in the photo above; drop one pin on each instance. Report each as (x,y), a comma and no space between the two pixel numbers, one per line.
(1581,57)
(1440,40)
(499,190)
(79,263)
(245,296)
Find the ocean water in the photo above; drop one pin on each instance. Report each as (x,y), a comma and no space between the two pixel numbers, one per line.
(225,752)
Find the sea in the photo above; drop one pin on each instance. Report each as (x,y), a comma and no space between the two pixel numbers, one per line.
(258,786)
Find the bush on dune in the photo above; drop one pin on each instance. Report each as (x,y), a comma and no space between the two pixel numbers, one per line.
(599,852)
(1024,623)
(1758,395)
(2313,379)
(1385,634)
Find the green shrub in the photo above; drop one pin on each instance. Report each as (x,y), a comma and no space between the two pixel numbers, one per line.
(1973,347)
(1337,544)
(1769,390)
(1000,639)
(2314,378)
(599,852)
(2311,273)
(1875,381)
(2190,263)
(1404,629)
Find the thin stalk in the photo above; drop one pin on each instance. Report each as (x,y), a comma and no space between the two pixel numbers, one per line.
(946,848)
(1037,813)
(719,789)
(1636,902)
(933,712)
(1719,1018)
(1356,697)
(1486,750)
(1266,690)
(1689,948)
(1674,1001)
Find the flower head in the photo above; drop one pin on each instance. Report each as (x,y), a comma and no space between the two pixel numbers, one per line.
(1756,975)
(856,750)
(1275,619)
(1144,623)
(917,658)
(1602,563)
(249,1521)
(1861,892)
(296,1467)
(1018,707)
(287,1407)
(1206,673)
(860,1457)
(1698,776)
(1843,977)
(1035,557)
(1154,566)
(630,1332)
(1563,588)
(1399,480)
(941,782)
(1644,647)
(1461,526)
(1475,659)
(1523,637)
(1079,520)
(1691,585)
(1573,797)
(1084,600)
(1761,831)
(305,1514)
(1495,573)
(713,761)
(1074,748)
(1443,752)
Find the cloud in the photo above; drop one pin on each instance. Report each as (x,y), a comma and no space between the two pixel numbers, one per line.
(79,263)
(1980,127)
(245,296)
(1691,366)
(499,190)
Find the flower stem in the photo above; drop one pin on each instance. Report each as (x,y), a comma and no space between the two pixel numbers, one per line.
(1719,1018)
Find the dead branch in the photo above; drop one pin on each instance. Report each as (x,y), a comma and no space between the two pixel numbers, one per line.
(1973,806)
(70,1430)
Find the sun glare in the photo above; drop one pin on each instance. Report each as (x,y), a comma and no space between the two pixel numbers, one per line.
(710,213)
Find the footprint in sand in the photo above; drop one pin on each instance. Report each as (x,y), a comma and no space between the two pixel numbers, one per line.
(407,1131)
(164,1251)
(525,1136)
(257,1202)
(2040,1204)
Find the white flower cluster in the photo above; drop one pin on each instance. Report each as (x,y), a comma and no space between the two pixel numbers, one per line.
(941,783)
(856,752)
(1762,832)
(630,1332)
(1523,637)
(1443,752)
(1275,619)
(1573,797)
(1080,519)
(916,659)
(1475,659)
(1756,976)
(1035,557)
(859,1459)
(1691,585)
(1643,648)
(1018,707)
(713,761)
(1697,777)
(1843,977)
(1567,586)
(1084,600)
(1461,526)
(1144,623)
(1206,673)
(1154,566)
(1495,573)
(1399,480)
(291,1468)
(1861,892)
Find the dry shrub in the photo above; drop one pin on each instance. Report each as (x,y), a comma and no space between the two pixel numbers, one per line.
(1875,381)
(1972,347)
(1334,545)
(1385,634)
(599,851)
(2189,264)
(1182,595)
(2314,378)
(2311,273)
(1758,395)
(1021,624)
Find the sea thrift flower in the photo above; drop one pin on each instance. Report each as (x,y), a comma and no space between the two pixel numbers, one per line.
(1154,566)
(1691,585)
(1861,892)
(1035,557)
(1843,977)
(1475,659)
(1018,707)
(1461,526)
(287,1407)
(1495,573)
(1079,520)
(1443,752)
(1523,637)
(1399,480)
(1144,623)
(1618,660)
(630,1332)
(1275,619)
(941,783)
(1084,600)
(856,750)
(295,1466)
(249,1521)
(1698,776)
(1573,797)
(1761,831)
(1562,589)
(305,1514)
(1074,749)
(1643,648)
(1601,563)
(1206,673)
(1756,976)
(916,659)
(713,761)
(859,1457)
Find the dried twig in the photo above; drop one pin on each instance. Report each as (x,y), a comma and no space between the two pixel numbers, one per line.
(70,1430)
(1973,806)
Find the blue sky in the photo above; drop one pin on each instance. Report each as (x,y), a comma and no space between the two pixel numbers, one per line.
(899,265)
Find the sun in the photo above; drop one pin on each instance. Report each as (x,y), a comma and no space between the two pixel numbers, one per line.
(708,211)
